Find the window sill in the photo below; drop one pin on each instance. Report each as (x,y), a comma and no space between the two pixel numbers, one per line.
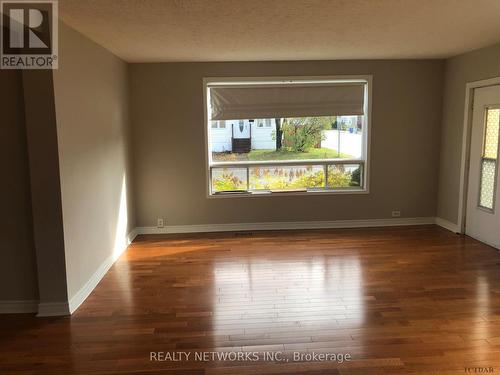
(266,193)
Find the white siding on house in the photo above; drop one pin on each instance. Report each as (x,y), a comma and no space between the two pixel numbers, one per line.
(262,136)
(220,137)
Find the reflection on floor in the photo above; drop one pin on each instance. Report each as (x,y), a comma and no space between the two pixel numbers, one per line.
(396,300)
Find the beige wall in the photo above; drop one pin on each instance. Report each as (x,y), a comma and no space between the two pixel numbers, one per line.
(43,158)
(91,97)
(472,66)
(18,278)
(169,144)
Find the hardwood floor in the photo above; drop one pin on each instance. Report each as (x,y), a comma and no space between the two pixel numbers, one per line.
(414,300)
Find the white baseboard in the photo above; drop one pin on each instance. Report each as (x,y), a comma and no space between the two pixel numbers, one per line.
(200,228)
(67,308)
(131,236)
(90,285)
(18,307)
(53,309)
(80,296)
(447,225)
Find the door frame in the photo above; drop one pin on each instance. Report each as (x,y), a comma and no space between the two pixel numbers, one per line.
(466,135)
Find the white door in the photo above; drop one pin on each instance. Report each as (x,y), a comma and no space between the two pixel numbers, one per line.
(241,129)
(483,200)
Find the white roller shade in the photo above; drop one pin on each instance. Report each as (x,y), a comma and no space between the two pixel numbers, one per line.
(274,101)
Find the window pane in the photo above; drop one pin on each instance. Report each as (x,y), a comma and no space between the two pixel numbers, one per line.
(491,134)
(229,179)
(301,138)
(488,162)
(345,175)
(487,189)
(287,178)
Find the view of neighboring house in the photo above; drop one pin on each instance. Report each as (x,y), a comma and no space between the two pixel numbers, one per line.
(254,134)
(242,136)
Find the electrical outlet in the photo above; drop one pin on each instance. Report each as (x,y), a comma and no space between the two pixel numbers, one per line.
(396,213)
(160,223)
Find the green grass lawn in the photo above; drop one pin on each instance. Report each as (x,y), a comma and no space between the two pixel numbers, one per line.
(254,155)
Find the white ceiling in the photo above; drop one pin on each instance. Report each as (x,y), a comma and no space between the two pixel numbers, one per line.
(249,30)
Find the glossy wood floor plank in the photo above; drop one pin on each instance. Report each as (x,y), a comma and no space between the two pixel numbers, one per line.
(414,300)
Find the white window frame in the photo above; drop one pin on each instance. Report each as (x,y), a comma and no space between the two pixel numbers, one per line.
(366,134)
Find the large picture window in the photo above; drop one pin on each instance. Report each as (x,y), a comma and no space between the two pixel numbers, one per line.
(287,135)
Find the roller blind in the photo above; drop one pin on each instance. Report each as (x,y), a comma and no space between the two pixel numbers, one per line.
(275,101)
